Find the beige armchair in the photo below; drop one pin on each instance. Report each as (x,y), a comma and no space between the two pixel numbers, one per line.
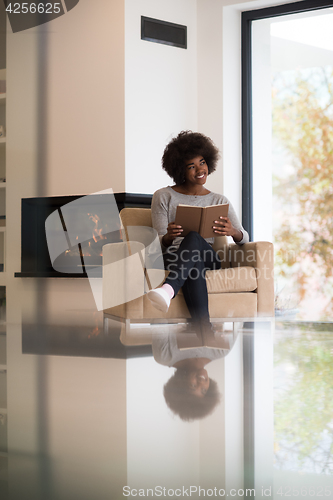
(241,290)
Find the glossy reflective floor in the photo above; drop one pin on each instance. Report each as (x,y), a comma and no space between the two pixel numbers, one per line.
(91,412)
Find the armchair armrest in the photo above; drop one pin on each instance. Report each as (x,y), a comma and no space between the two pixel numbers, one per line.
(259,255)
(123,273)
(221,247)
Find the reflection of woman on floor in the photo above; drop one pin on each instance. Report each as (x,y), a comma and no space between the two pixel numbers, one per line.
(189,393)
(189,159)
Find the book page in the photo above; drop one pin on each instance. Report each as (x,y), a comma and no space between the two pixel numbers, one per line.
(189,217)
(210,214)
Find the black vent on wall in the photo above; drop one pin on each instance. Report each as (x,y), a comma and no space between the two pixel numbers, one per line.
(158,31)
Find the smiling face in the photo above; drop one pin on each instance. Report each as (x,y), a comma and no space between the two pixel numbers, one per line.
(196,171)
(198,382)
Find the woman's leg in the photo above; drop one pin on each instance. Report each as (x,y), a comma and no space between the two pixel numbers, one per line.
(188,266)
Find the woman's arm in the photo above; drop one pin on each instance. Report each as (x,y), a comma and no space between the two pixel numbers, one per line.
(230,226)
(172,232)
(224,227)
(166,230)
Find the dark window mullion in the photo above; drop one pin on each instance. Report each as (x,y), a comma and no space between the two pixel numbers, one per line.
(247,156)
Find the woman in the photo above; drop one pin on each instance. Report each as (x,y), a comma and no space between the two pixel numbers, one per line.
(189,159)
(190,393)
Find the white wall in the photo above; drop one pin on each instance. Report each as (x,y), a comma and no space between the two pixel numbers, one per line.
(65,111)
(210,70)
(66,83)
(85,99)
(66,86)
(160,91)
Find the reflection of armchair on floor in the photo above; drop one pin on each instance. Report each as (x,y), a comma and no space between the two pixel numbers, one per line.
(185,340)
(242,289)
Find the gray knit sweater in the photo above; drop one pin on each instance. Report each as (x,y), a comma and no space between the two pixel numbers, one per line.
(166,200)
(166,351)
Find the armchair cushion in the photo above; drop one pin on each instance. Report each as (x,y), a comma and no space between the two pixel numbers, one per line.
(240,279)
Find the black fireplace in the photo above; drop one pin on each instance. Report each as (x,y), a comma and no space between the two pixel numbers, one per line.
(63,235)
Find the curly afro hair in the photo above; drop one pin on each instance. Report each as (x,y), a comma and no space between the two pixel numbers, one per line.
(186,405)
(185,146)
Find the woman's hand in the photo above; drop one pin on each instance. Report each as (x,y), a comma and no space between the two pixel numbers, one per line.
(223,227)
(172,232)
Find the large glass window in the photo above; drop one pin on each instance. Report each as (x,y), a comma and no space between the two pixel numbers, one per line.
(292,156)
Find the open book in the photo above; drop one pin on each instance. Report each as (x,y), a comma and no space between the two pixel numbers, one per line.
(200,219)
(195,340)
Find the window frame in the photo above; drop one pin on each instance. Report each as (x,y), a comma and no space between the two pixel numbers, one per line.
(247,18)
